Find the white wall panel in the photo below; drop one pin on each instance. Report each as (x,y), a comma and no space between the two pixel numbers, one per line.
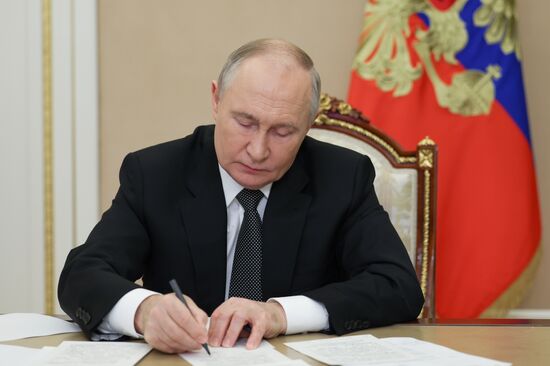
(63,156)
(86,113)
(75,144)
(21,183)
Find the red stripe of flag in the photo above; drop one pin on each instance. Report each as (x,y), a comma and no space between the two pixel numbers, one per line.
(488,224)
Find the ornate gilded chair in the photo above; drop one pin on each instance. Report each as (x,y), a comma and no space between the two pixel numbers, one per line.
(405,183)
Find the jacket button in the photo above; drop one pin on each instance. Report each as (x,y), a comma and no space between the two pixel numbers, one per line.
(347,325)
(86,317)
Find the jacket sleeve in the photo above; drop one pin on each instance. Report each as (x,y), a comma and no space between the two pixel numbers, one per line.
(379,285)
(99,272)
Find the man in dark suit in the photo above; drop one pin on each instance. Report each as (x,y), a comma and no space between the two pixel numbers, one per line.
(315,252)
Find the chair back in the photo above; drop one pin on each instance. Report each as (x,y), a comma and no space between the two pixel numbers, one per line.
(405,183)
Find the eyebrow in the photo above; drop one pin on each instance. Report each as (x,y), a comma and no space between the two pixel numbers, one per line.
(286,125)
(247,116)
(252,118)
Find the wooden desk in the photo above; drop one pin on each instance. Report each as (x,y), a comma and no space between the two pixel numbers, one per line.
(520,342)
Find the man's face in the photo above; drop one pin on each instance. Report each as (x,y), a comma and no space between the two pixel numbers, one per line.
(261,119)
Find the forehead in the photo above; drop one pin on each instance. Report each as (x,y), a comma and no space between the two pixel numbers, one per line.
(271,83)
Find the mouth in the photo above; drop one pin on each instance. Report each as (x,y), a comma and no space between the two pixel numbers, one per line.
(252,169)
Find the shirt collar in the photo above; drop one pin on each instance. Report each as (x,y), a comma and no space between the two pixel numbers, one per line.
(231,188)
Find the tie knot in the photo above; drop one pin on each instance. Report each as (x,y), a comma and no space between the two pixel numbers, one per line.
(249,198)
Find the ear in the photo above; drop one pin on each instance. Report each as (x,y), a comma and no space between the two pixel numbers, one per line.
(214,98)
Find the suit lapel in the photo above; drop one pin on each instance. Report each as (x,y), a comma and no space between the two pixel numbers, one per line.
(204,215)
(283,223)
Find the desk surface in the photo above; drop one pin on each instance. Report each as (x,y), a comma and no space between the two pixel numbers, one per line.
(521,343)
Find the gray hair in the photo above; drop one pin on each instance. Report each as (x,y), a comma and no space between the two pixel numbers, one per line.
(267,46)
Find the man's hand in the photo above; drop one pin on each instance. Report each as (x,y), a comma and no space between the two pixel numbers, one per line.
(267,320)
(168,326)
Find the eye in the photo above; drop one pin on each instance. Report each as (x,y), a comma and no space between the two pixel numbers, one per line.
(283,131)
(243,122)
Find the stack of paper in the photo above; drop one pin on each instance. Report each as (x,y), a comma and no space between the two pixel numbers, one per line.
(367,350)
(93,354)
(76,353)
(24,325)
(15,355)
(238,355)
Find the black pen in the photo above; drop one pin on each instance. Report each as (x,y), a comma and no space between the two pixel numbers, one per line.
(179,295)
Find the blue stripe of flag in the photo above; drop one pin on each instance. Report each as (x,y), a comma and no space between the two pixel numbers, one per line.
(479,55)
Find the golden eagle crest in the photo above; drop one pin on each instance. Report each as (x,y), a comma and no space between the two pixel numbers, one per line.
(384,55)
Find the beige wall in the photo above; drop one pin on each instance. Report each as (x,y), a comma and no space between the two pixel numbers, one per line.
(157,59)
(534,33)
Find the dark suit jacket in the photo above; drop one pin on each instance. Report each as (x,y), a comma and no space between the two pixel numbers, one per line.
(325,237)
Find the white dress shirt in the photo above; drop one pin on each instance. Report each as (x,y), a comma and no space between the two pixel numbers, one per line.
(302,313)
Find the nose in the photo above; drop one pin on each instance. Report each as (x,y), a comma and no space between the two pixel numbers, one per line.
(257,147)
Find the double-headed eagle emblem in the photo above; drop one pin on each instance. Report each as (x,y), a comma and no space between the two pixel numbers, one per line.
(384,53)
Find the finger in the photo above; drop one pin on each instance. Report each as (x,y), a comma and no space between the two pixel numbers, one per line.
(256,336)
(219,321)
(238,321)
(179,313)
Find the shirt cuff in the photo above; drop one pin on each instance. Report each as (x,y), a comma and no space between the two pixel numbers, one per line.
(303,314)
(120,320)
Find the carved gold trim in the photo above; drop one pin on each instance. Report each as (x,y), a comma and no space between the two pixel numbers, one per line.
(324,102)
(48,156)
(324,120)
(515,293)
(426,162)
(426,141)
(426,158)
(425,232)
(344,108)
(426,155)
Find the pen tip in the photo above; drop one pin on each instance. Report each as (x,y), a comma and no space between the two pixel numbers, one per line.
(207,349)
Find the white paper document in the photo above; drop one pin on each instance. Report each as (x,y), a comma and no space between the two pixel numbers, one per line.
(16,355)
(367,350)
(363,349)
(428,354)
(238,355)
(24,325)
(93,354)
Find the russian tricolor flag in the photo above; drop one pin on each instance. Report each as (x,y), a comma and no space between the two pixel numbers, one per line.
(451,69)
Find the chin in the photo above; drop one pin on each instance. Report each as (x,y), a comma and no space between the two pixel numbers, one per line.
(252,183)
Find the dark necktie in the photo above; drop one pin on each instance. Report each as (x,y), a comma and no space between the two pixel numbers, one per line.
(246,277)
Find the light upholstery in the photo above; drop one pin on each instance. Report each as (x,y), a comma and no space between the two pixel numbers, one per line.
(396,188)
(404,183)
